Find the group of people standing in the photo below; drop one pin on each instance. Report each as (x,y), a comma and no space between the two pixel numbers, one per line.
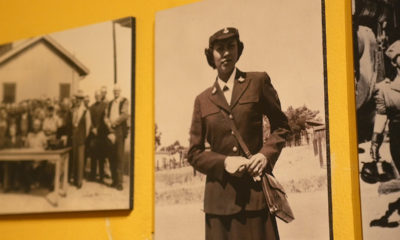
(96,132)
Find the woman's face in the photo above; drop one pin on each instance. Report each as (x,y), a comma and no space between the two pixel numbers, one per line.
(225,54)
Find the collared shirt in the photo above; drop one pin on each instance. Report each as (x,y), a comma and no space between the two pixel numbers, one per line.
(77,114)
(50,125)
(114,112)
(229,84)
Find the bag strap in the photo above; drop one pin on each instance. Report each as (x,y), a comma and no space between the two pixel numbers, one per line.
(237,134)
(239,138)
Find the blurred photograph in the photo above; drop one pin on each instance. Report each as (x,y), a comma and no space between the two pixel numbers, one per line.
(66,120)
(376,44)
(241,122)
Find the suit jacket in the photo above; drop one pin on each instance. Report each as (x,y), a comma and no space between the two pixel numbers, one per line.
(97,113)
(253,96)
(121,121)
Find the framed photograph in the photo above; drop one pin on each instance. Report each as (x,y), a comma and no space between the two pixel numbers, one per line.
(240,106)
(67,120)
(376,35)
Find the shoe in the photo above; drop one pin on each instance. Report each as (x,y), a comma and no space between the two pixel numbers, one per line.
(119,187)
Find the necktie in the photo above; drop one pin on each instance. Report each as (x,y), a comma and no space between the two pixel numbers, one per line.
(225,88)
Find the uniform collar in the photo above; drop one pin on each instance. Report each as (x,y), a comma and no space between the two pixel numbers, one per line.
(228,83)
(240,84)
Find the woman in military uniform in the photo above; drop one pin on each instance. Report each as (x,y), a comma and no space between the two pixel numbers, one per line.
(234,203)
(388,109)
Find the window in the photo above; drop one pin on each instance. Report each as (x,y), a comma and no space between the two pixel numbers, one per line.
(65,90)
(9,90)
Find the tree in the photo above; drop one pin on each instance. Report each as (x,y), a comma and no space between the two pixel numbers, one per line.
(158,137)
(298,117)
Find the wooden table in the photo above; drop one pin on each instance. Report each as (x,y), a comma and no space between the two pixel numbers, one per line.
(58,157)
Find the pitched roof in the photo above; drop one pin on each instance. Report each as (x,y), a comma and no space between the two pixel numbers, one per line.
(54,45)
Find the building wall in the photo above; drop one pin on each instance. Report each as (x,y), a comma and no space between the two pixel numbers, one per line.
(37,72)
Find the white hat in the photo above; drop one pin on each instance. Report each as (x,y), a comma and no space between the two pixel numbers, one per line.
(393,50)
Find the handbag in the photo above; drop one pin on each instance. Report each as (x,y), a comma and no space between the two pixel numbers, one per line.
(274,193)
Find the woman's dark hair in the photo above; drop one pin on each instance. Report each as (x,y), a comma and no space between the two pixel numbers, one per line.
(210,57)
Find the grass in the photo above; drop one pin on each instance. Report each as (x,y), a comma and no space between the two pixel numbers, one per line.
(180,186)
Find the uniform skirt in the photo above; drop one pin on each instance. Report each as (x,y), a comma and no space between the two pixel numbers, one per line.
(246,225)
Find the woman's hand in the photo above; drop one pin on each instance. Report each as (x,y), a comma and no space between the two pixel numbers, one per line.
(257,164)
(235,165)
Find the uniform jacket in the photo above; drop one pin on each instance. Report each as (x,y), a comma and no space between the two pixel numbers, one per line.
(388,98)
(253,96)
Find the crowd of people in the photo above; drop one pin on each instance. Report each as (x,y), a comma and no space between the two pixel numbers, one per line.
(95,132)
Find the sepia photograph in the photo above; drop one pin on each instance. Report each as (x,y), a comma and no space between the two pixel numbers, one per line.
(67,120)
(241,121)
(376,44)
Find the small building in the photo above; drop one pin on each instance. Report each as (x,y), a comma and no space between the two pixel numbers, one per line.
(319,140)
(38,67)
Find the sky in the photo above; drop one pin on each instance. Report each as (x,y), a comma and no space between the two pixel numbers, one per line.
(281,37)
(93,46)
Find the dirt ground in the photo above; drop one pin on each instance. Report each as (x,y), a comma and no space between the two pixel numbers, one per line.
(92,196)
(374,205)
(179,217)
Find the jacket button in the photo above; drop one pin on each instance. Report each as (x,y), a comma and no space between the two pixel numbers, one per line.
(234,149)
(232,132)
(230,116)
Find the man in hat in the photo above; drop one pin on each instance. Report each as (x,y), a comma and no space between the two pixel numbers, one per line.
(388,109)
(234,202)
(116,117)
(80,130)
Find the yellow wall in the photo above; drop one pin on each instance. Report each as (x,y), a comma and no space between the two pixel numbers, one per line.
(23,18)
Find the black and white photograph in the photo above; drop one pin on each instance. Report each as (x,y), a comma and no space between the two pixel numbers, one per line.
(241,121)
(376,44)
(66,120)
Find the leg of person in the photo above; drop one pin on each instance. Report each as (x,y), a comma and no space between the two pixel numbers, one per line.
(119,144)
(112,160)
(394,131)
(27,175)
(6,182)
(70,173)
(80,167)
(93,164)
(75,160)
(101,168)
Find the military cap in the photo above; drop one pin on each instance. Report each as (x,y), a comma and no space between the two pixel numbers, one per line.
(393,50)
(223,34)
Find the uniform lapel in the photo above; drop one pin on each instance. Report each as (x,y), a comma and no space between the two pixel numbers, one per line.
(218,98)
(240,85)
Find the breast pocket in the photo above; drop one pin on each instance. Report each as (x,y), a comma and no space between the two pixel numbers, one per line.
(249,103)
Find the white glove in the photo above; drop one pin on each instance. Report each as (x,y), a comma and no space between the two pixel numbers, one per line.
(235,165)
